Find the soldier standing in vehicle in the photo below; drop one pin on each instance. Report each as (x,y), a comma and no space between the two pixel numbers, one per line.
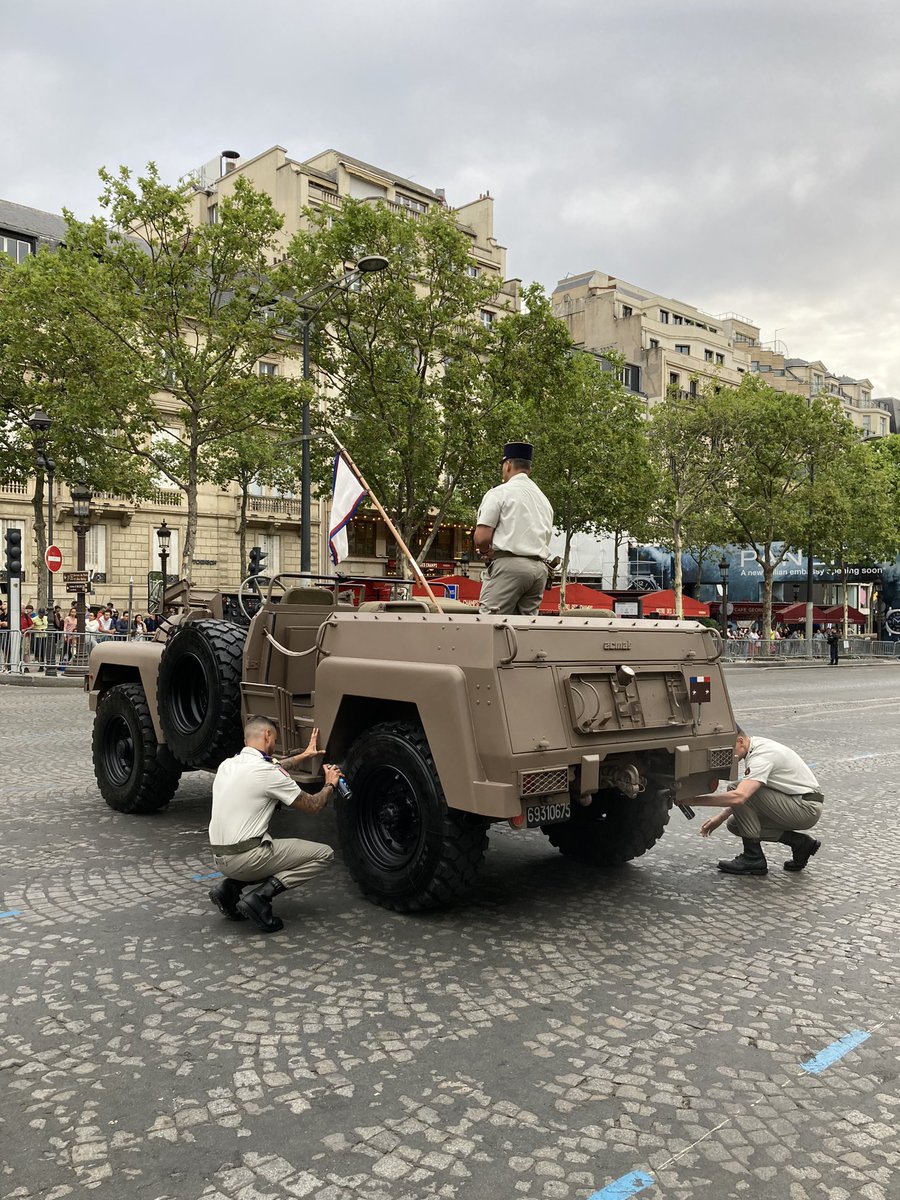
(515,522)
(246,791)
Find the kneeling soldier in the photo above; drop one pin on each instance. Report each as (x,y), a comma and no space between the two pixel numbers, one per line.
(247,790)
(776,798)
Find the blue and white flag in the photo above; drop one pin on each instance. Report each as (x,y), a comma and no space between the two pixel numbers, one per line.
(347,493)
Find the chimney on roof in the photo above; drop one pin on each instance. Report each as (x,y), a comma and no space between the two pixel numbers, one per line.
(441,195)
(229,161)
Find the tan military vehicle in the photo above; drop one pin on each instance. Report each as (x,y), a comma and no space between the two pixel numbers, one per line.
(589,729)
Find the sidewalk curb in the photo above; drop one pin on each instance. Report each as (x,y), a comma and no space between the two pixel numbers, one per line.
(42,681)
(801,665)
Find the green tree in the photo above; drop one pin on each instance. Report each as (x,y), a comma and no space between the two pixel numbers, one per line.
(783,448)
(402,357)
(691,444)
(188,312)
(48,357)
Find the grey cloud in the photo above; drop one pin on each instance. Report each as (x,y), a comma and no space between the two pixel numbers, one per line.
(736,156)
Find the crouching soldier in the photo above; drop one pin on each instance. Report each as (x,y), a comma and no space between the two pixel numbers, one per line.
(247,790)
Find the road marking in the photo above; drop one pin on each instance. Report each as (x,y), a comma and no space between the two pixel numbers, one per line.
(622,1188)
(211,875)
(11,912)
(835,1051)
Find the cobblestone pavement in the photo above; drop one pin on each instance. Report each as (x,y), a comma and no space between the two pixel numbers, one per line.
(564,1034)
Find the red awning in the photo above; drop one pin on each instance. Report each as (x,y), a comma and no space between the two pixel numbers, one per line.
(795,614)
(578,595)
(835,615)
(662,604)
(465,588)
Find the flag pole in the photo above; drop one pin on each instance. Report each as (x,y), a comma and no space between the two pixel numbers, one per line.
(417,570)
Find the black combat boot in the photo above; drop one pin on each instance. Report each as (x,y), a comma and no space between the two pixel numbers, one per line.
(751,862)
(225,896)
(803,847)
(257,905)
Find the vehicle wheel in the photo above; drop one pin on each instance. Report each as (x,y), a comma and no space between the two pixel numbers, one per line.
(403,846)
(199,692)
(132,772)
(613,829)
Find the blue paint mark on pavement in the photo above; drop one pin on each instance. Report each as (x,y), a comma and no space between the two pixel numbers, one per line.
(836,1050)
(622,1188)
(211,875)
(11,912)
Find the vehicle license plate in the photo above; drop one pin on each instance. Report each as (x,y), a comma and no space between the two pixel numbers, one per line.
(549,813)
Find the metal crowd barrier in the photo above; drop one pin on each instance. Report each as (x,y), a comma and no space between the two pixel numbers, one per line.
(748,650)
(31,653)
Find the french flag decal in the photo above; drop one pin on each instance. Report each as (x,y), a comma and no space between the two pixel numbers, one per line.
(700,689)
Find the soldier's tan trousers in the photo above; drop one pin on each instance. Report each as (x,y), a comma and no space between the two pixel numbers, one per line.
(291,860)
(768,814)
(513,585)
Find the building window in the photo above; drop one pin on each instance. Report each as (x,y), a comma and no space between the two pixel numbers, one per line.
(627,310)
(486,317)
(682,349)
(95,550)
(866,422)
(361,537)
(268,369)
(472,271)
(412,205)
(17,248)
(674,379)
(212,214)
(270,544)
(692,388)
(663,317)
(708,355)
(720,360)
(677,319)
(631,377)
(654,343)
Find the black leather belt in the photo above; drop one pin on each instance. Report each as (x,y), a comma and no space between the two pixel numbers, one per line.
(509,554)
(237,848)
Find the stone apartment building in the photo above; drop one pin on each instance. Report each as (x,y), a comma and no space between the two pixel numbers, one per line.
(666,343)
(871,416)
(122,541)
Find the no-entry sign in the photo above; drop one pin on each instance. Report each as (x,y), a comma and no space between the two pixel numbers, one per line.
(53,558)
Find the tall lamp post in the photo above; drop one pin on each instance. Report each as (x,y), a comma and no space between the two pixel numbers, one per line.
(164,537)
(723,612)
(81,510)
(367,265)
(39,423)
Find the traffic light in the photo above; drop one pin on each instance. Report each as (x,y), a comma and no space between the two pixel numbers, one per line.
(257,557)
(13,553)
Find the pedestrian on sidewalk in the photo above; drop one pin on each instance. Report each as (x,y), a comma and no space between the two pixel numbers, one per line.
(832,637)
(777,796)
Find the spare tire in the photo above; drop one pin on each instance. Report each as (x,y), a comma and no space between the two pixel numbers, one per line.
(198,693)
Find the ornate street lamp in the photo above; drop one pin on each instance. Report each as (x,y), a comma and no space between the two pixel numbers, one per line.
(164,537)
(81,510)
(723,611)
(367,265)
(39,423)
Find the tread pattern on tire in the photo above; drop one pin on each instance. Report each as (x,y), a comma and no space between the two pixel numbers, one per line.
(608,844)
(465,838)
(226,644)
(158,782)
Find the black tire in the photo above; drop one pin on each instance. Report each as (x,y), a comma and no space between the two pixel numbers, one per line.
(613,829)
(134,773)
(406,850)
(198,692)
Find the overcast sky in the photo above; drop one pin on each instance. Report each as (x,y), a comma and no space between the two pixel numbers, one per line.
(738,156)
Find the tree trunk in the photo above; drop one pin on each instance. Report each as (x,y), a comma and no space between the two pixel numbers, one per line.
(618,535)
(564,573)
(190,536)
(242,530)
(40,539)
(846,602)
(678,582)
(768,579)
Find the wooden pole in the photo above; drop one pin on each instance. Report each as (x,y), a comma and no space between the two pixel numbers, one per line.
(417,570)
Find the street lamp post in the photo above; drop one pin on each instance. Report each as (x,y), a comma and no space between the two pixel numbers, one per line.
(81,510)
(367,265)
(164,537)
(723,612)
(39,423)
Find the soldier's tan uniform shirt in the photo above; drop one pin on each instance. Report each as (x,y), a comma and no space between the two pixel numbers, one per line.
(246,791)
(778,767)
(520,515)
